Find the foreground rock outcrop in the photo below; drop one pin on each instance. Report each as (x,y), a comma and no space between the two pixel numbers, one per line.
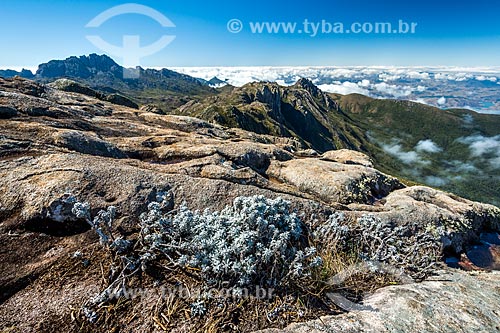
(451,302)
(53,142)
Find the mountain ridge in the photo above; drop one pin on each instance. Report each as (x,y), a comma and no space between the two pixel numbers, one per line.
(102,73)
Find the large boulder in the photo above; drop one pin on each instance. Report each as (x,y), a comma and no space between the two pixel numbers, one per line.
(347,156)
(334,182)
(86,144)
(73,86)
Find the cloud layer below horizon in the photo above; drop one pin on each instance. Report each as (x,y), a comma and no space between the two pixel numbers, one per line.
(437,86)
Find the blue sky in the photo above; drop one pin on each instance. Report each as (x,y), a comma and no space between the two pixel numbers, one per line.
(449,33)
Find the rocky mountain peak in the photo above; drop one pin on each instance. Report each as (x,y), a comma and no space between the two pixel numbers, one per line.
(24,73)
(317,93)
(270,94)
(308,85)
(216,82)
(80,67)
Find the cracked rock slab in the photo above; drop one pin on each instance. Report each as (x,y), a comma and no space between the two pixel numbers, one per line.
(452,302)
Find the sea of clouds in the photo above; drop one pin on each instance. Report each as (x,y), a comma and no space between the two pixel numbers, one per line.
(446,87)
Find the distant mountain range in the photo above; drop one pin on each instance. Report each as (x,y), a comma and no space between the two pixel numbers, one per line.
(24,73)
(103,73)
(456,150)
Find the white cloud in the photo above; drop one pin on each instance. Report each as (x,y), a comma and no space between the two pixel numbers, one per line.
(484,147)
(428,146)
(454,76)
(393,90)
(344,88)
(481,145)
(495,162)
(486,78)
(388,77)
(468,119)
(435,181)
(418,75)
(396,150)
(441,101)
(364,83)
(463,167)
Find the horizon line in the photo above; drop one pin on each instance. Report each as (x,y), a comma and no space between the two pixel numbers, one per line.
(33,69)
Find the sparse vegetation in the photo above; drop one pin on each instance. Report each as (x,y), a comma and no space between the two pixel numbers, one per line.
(255,256)
(254,241)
